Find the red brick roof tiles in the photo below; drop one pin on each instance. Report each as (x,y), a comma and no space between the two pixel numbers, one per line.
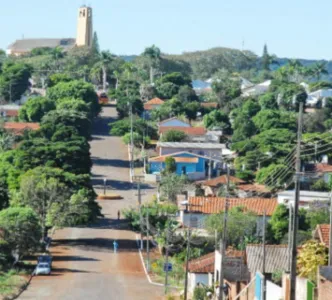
(209,104)
(203,264)
(176,158)
(323,231)
(155,101)
(212,205)
(18,127)
(215,182)
(323,168)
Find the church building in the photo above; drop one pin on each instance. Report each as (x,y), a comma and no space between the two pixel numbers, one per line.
(84,37)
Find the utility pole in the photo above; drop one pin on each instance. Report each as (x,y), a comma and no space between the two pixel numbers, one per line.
(131,142)
(264,255)
(166,261)
(296,205)
(223,242)
(187,261)
(290,230)
(330,244)
(147,242)
(139,195)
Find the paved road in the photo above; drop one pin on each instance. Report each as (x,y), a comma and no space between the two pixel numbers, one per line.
(85,266)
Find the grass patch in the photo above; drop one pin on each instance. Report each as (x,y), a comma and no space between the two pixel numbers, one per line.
(11,283)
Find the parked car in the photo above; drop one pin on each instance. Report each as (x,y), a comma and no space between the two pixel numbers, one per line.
(103,98)
(43,269)
(45,259)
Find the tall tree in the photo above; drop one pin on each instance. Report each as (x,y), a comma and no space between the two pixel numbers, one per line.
(319,69)
(105,59)
(95,44)
(153,53)
(268,60)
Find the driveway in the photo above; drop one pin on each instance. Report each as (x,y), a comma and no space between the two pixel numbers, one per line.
(85,266)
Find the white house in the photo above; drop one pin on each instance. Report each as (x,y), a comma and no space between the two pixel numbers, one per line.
(173,122)
(306,198)
(315,96)
(201,271)
(257,89)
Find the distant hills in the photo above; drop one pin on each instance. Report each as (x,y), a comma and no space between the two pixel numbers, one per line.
(203,64)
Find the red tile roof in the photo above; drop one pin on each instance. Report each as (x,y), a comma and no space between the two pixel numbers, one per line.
(212,205)
(176,158)
(155,101)
(203,264)
(215,182)
(209,104)
(323,168)
(186,130)
(19,128)
(259,188)
(323,231)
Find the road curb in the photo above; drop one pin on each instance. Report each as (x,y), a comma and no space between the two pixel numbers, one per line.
(142,260)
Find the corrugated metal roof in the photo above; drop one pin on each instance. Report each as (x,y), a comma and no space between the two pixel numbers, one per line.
(276,258)
(27,45)
(221,180)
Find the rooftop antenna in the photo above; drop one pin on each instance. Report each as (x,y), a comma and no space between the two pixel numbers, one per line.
(242,44)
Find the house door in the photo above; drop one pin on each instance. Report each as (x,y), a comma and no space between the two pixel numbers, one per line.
(184,170)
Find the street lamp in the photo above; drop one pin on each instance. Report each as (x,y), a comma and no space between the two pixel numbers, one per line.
(105,180)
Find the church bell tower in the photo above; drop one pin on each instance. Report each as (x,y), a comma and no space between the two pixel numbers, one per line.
(84,27)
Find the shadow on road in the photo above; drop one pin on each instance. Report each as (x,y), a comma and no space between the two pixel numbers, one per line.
(98,244)
(119,163)
(62,271)
(73,258)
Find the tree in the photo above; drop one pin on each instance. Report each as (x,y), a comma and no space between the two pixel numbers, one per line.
(241,223)
(319,69)
(56,78)
(20,229)
(317,215)
(279,222)
(171,185)
(267,59)
(137,139)
(95,45)
(191,109)
(153,54)
(170,165)
(312,255)
(105,60)
(76,105)
(176,78)
(76,89)
(14,81)
(186,94)
(35,108)
(244,128)
(76,119)
(270,175)
(167,90)
(268,101)
(217,118)
(173,136)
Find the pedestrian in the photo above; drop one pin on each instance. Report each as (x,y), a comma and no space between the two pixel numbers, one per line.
(115,245)
(118,215)
(226,289)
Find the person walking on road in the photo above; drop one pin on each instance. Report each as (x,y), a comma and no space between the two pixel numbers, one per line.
(116,246)
(118,215)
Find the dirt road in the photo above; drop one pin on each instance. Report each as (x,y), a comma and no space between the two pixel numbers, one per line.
(85,266)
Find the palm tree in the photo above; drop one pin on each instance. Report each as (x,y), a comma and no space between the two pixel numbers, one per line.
(105,60)
(153,53)
(319,69)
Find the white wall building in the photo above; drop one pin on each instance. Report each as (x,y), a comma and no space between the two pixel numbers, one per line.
(306,198)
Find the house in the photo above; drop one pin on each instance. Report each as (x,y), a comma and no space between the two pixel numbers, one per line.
(324,170)
(249,190)
(194,166)
(324,283)
(152,104)
(193,133)
(173,122)
(9,111)
(322,234)
(307,198)
(316,96)
(236,273)
(201,271)
(212,186)
(215,150)
(257,89)
(197,209)
(25,46)
(276,259)
(18,128)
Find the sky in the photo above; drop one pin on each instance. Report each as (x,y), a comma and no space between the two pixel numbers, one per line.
(291,28)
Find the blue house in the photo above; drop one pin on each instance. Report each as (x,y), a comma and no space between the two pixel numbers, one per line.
(195,166)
